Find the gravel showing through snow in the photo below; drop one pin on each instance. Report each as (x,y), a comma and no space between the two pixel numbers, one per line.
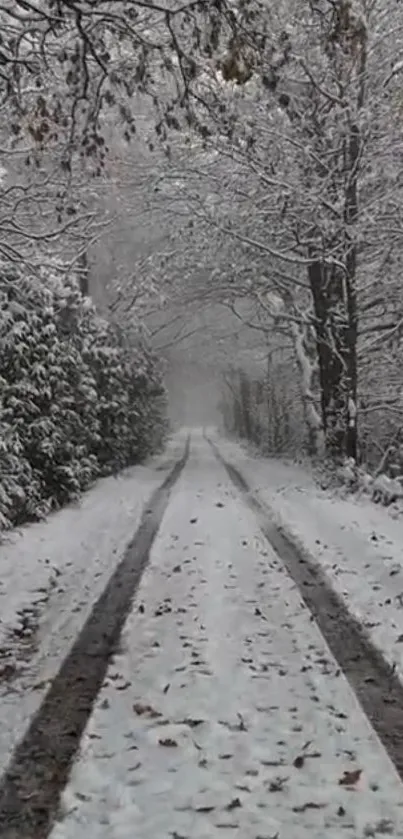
(224,713)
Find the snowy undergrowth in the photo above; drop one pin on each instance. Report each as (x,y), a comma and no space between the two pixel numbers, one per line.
(55,570)
(358,544)
(225,714)
(356,480)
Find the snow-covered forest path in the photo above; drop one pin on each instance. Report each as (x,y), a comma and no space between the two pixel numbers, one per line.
(223,713)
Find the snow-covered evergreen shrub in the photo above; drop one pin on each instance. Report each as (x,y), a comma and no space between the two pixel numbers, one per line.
(74,402)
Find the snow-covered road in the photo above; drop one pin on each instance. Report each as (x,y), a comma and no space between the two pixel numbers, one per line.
(224,713)
(55,571)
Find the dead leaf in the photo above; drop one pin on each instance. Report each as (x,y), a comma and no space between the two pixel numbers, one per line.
(310,805)
(193,521)
(197,746)
(242,726)
(236,802)
(168,742)
(166,688)
(146,710)
(204,809)
(124,686)
(82,797)
(274,763)
(349,779)
(38,686)
(277,784)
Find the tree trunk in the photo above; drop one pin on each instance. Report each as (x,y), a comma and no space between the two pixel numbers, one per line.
(335,308)
(83,270)
(245,395)
(307,367)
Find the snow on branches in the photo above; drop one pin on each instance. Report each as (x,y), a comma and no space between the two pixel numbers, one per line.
(75,401)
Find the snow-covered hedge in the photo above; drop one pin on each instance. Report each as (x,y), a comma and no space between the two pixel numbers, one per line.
(75,401)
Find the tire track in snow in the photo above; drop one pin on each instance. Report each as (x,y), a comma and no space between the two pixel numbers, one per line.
(31,787)
(374,682)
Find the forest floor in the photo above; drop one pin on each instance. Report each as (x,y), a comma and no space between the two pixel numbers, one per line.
(251,689)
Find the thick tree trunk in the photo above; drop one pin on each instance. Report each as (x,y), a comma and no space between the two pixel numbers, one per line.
(335,308)
(307,368)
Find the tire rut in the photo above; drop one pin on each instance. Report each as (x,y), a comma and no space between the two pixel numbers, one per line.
(375,684)
(31,787)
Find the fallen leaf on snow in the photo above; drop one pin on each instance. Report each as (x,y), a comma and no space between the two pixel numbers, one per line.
(349,779)
(310,805)
(82,797)
(168,742)
(385,826)
(192,723)
(124,686)
(38,686)
(277,784)
(274,763)
(146,710)
(226,823)
(236,802)
(242,726)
